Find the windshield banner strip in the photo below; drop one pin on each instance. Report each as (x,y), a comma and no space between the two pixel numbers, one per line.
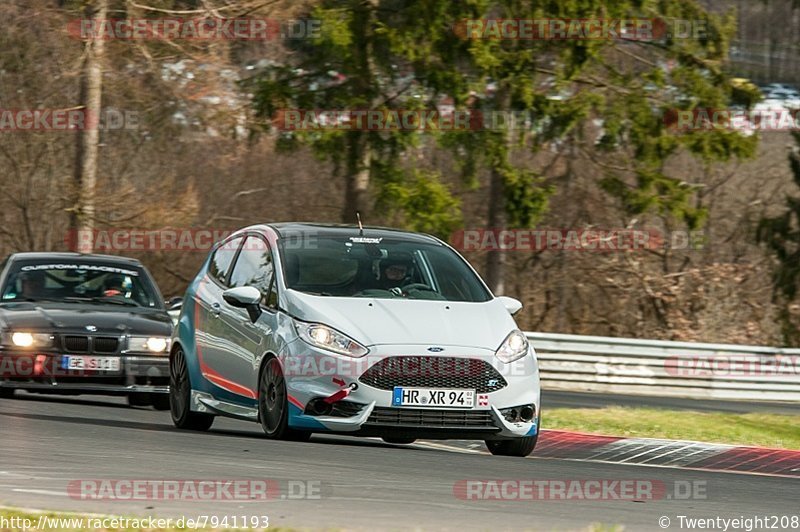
(91,267)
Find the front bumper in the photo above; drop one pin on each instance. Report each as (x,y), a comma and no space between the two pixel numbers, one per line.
(44,372)
(312,374)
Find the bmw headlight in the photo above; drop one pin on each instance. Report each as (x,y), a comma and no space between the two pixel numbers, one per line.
(157,345)
(514,347)
(322,336)
(26,339)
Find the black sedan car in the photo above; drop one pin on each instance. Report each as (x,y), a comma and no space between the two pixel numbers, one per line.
(74,323)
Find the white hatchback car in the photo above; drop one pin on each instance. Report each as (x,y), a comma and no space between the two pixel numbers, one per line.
(376,332)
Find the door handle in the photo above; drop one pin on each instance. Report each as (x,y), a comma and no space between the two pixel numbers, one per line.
(215,309)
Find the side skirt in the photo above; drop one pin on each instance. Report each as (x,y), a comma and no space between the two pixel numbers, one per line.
(204,402)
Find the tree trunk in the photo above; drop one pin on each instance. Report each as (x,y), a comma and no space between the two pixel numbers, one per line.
(495,265)
(498,218)
(83,211)
(357,178)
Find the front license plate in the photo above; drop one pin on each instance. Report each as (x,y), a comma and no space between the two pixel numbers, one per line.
(91,363)
(451,398)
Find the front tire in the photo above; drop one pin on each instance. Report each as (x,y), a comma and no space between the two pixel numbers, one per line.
(521,447)
(273,404)
(180,391)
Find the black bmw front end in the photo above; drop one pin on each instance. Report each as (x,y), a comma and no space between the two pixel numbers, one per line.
(83,324)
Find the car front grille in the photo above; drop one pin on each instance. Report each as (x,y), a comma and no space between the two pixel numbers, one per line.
(105,344)
(89,344)
(430,418)
(434,372)
(76,344)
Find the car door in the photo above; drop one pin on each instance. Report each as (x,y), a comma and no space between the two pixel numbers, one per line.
(254,267)
(210,329)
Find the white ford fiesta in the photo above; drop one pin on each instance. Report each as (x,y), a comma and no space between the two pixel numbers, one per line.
(309,328)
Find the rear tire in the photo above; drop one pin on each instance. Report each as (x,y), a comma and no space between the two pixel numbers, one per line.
(160,401)
(517,447)
(7,393)
(273,404)
(398,441)
(180,391)
(139,399)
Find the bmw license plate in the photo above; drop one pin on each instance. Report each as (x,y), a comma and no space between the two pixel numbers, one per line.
(91,363)
(451,398)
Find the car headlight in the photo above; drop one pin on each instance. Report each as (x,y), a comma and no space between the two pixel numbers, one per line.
(149,344)
(514,347)
(27,339)
(320,335)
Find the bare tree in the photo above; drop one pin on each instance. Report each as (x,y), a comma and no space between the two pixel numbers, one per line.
(91,95)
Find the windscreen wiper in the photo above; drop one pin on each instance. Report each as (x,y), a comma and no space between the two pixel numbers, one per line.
(104,300)
(32,299)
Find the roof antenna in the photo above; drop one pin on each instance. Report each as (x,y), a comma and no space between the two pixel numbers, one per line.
(360,227)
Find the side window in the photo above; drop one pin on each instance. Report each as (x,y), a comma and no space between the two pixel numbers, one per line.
(221,260)
(455,281)
(254,268)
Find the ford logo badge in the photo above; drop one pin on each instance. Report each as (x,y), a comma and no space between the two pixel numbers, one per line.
(436,349)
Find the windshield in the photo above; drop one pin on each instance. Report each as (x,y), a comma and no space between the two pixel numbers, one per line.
(380,267)
(70,282)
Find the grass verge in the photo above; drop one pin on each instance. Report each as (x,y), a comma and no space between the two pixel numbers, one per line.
(767,430)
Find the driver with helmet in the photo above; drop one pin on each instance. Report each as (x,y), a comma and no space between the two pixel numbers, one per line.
(395,271)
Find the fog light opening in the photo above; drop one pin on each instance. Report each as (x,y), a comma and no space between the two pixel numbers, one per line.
(517,414)
(526,413)
(319,407)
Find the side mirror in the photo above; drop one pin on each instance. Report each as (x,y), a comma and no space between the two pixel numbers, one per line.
(512,305)
(174,303)
(246,297)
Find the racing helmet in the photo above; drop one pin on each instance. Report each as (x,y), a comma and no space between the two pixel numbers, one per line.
(400,258)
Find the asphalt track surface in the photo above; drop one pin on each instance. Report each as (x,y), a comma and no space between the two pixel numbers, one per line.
(48,441)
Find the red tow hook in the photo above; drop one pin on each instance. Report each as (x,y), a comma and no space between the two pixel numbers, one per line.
(38,365)
(341,394)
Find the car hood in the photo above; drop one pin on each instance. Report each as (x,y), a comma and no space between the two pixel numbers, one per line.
(65,318)
(373,321)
